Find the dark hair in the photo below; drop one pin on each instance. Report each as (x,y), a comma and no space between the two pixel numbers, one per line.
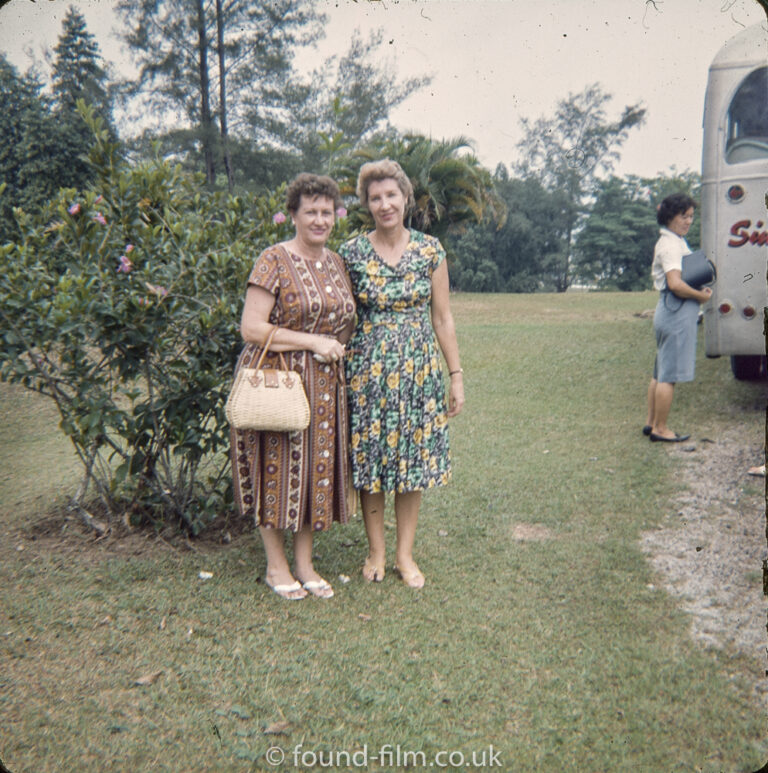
(311,185)
(676,204)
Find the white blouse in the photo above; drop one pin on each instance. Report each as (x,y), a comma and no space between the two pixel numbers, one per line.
(667,256)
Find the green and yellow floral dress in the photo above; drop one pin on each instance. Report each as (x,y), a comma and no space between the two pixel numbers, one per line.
(395,386)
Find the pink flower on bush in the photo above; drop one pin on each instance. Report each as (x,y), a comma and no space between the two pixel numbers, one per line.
(341,212)
(74,209)
(98,199)
(99,218)
(125,265)
(278,218)
(156,289)
(128,248)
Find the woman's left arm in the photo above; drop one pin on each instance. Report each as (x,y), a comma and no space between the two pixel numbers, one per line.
(442,322)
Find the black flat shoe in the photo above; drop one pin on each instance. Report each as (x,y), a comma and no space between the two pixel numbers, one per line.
(661,439)
(647,429)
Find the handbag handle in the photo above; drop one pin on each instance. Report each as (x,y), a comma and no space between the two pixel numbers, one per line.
(266,348)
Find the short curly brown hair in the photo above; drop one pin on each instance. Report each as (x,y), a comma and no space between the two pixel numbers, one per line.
(311,185)
(385,169)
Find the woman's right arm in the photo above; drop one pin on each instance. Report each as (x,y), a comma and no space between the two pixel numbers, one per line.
(255,328)
(683,290)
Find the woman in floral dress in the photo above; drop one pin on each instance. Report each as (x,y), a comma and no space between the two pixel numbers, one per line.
(298,481)
(396,391)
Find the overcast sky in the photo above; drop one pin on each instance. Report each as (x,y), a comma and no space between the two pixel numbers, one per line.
(495,61)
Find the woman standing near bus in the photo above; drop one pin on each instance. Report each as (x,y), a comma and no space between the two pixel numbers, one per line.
(674,321)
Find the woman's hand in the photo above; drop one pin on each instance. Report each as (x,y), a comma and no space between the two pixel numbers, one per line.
(256,327)
(456,395)
(327,349)
(683,290)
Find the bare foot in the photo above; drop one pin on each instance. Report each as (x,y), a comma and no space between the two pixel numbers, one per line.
(411,575)
(373,571)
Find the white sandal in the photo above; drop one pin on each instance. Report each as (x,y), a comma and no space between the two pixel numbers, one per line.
(318,588)
(284,590)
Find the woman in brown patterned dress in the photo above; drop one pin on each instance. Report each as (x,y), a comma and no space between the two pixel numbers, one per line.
(298,481)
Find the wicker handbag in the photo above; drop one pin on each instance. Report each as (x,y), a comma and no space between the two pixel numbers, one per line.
(268,399)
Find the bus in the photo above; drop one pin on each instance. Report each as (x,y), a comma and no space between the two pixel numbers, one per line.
(734,208)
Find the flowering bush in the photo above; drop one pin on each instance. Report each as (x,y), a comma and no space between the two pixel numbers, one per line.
(125,264)
(122,304)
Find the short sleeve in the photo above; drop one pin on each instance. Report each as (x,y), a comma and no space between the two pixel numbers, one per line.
(670,257)
(668,253)
(430,253)
(439,254)
(265,271)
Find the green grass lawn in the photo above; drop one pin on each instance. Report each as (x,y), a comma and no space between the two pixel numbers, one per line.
(560,652)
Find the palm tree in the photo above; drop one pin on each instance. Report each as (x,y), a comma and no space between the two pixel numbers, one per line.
(450,187)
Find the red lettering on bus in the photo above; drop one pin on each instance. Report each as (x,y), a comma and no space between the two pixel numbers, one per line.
(743,236)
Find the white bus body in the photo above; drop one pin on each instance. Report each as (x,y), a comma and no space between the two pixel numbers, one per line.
(734,185)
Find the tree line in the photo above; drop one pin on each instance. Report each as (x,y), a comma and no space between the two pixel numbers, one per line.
(217,89)
(123,255)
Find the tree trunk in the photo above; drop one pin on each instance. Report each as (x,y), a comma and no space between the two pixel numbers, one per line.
(573,215)
(564,280)
(205,96)
(223,95)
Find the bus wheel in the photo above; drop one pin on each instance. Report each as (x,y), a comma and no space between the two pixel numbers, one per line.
(747,367)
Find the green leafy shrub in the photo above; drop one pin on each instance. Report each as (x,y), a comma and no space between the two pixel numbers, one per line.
(122,304)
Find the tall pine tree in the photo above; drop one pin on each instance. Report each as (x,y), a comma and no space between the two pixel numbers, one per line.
(29,161)
(77,74)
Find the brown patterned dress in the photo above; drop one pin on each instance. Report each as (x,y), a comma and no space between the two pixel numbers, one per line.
(288,480)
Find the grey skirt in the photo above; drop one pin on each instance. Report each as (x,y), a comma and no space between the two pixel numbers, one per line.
(674,323)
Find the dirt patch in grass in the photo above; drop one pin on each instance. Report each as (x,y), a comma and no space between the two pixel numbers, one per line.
(531,532)
(710,548)
(60,532)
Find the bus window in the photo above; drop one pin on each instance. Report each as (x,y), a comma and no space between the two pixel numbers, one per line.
(747,136)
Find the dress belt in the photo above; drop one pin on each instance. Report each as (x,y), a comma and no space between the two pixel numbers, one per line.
(394,317)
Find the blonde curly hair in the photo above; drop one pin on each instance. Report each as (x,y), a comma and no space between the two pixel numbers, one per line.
(385,169)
